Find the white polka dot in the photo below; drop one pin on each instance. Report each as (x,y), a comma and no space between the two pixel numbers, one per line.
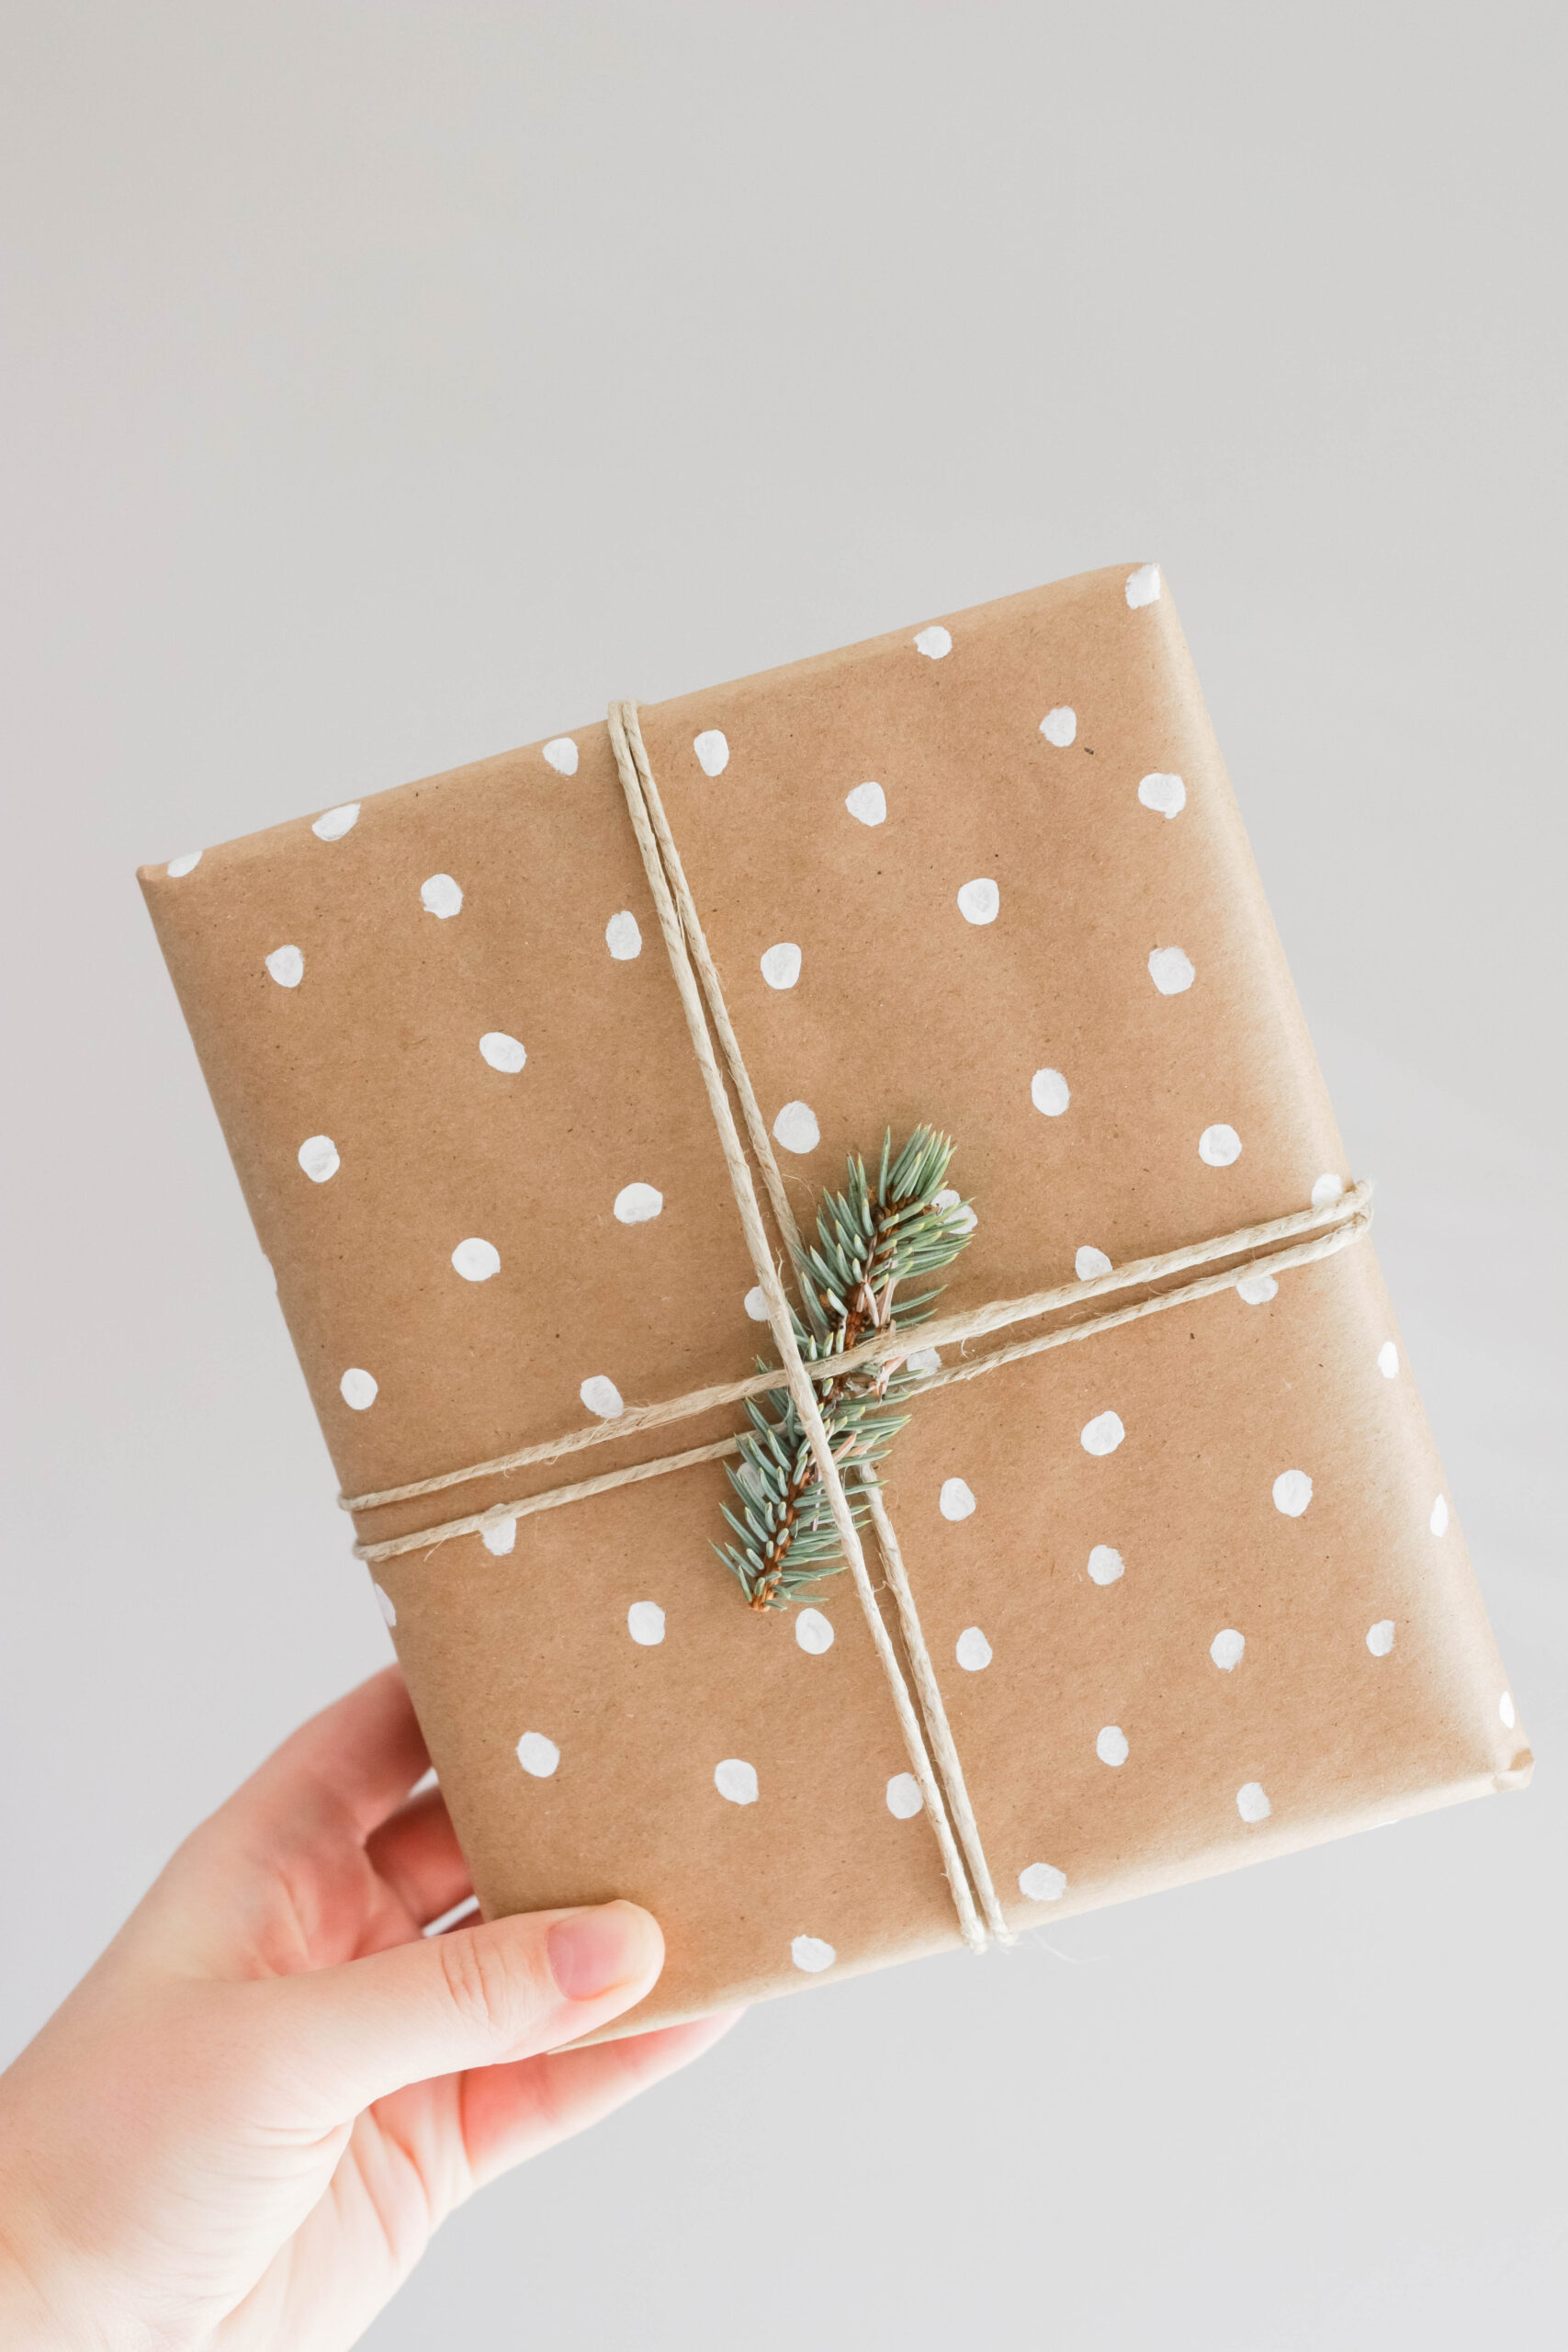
(980,900)
(780,964)
(972,1650)
(934,642)
(1143,585)
(1438,1523)
(812,1954)
(537,1754)
(1326,1191)
(336,822)
(560,751)
(178,867)
(1059,726)
(1105,1566)
(1219,1147)
(956,1500)
(1172,971)
(1103,1434)
(868,802)
(795,1127)
(645,1623)
(812,1632)
(1048,1093)
(500,1538)
(1166,794)
(1505,1710)
(384,1603)
(441,897)
(1380,1637)
(735,1779)
(503,1053)
(1226,1649)
(1110,1745)
(318,1156)
(636,1203)
(923,1359)
(1292,1492)
(1042,1882)
(1251,1801)
(1257,1290)
(622,936)
(601,1395)
(286,967)
(712,751)
(1090,1262)
(904,1798)
(1388,1361)
(358,1389)
(756,1306)
(476,1260)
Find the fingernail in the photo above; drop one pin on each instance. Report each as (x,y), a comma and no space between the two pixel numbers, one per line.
(590,1951)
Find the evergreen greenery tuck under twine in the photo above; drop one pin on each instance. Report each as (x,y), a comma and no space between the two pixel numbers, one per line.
(870,1237)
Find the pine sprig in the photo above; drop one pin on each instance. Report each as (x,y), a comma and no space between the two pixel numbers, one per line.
(870,1237)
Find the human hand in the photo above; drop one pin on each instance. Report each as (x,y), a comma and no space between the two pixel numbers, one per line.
(243,2126)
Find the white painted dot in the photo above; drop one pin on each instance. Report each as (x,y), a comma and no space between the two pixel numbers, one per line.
(972,1650)
(1257,1290)
(735,1779)
(1103,1434)
(1059,726)
(286,967)
(1105,1565)
(476,1260)
(384,1603)
(336,822)
(1172,971)
(1226,1649)
(503,1053)
(780,964)
(795,1127)
(1219,1147)
(1505,1710)
(979,901)
(756,1306)
(1292,1492)
(500,1538)
(441,897)
(601,1395)
(537,1754)
(812,1632)
(1143,585)
(560,753)
(934,642)
(1438,1523)
(1326,1191)
(358,1389)
(318,1156)
(1089,1262)
(712,751)
(1388,1361)
(645,1623)
(1166,794)
(956,1500)
(636,1203)
(923,1359)
(1252,1803)
(904,1798)
(1048,1092)
(947,1199)
(868,802)
(812,1954)
(1110,1745)
(1380,1637)
(622,936)
(1042,1882)
(178,867)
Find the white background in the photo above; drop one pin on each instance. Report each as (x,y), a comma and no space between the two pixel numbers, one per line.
(391,384)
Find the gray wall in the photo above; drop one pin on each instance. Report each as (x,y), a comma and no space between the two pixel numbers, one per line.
(395,383)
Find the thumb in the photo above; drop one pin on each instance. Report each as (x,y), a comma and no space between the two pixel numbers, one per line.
(475,1996)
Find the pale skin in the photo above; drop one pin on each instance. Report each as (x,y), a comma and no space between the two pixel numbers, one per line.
(243,2126)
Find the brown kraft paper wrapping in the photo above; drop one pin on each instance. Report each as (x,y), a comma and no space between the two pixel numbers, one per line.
(1097,1027)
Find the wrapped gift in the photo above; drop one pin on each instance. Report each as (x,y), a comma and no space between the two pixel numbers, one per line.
(535,1073)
